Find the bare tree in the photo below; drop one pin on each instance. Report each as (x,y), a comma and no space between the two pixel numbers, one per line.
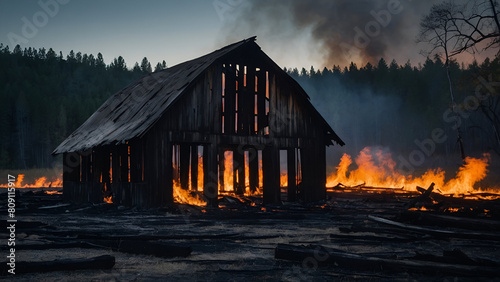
(475,25)
(438,29)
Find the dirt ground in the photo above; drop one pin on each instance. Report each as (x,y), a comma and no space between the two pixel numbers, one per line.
(234,243)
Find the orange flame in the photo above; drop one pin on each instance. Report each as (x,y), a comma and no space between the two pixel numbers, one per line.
(182,196)
(39,183)
(228,173)
(108,199)
(378,169)
(284,179)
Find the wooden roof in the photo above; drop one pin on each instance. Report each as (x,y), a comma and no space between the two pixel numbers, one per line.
(130,112)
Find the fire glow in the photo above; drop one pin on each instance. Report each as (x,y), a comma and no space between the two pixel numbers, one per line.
(41,182)
(377,169)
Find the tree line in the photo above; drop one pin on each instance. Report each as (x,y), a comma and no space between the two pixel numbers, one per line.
(399,106)
(45,96)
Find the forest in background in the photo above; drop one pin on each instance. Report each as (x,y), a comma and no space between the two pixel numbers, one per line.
(46,96)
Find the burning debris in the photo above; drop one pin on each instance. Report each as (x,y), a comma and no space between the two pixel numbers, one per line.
(376,168)
(38,183)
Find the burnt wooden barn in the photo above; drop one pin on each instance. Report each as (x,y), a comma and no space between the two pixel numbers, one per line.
(163,126)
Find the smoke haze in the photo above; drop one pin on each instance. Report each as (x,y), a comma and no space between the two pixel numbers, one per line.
(339,31)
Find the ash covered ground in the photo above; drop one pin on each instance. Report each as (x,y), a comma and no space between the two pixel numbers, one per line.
(236,242)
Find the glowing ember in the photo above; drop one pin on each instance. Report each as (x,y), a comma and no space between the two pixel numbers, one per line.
(182,196)
(39,183)
(108,200)
(378,169)
(53,192)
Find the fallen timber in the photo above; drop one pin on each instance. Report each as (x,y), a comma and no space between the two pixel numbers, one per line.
(439,232)
(323,255)
(233,241)
(100,262)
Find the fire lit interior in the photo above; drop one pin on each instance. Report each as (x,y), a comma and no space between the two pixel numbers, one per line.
(371,168)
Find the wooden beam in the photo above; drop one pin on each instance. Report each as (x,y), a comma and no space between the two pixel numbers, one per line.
(239,171)
(230,99)
(194,167)
(86,176)
(115,166)
(166,171)
(222,168)
(210,174)
(253,170)
(270,167)
(292,178)
(71,167)
(124,165)
(184,166)
(100,262)
(261,100)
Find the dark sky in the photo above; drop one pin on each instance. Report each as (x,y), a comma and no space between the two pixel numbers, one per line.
(294,33)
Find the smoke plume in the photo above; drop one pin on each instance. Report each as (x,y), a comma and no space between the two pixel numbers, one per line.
(341,31)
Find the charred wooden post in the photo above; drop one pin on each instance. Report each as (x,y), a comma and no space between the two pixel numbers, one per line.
(313,177)
(271,171)
(230,99)
(292,177)
(115,170)
(222,168)
(239,171)
(210,174)
(71,174)
(184,166)
(194,167)
(253,169)
(85,170)
(136,159)
(162,160)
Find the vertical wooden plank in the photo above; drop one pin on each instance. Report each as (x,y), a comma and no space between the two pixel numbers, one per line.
(71,175)
(106,178)
(305,186)
(184,166)
(71,167)
(215,98)
(261,101)
(136,161)
(275,125)
(152,168)
(124,165)
(321,168)
(230,99)
(222,168)
(253,170)
(292,180)
(194,167)
(86,166)
(165,170)
(270,167)
(97,160)
(116,171)
(250,101)
(210,174)
(239,171)
(313,159)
